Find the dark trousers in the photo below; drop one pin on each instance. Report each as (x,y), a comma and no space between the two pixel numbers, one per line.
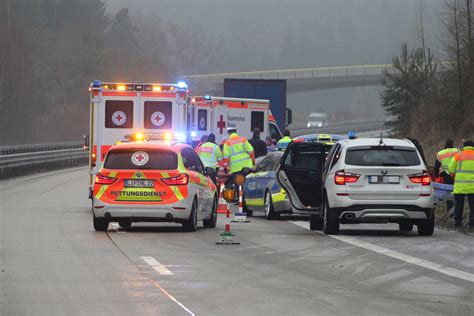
(447,179)
(212,174)
(459,207)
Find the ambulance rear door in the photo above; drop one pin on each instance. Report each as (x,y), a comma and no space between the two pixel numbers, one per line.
(115,115)
(202,120)
(160,113)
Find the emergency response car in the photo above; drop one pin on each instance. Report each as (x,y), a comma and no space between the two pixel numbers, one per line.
(209,114)
(147,181)
(119,109)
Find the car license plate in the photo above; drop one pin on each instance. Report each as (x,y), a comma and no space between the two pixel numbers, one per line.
(384,179)
(133,183)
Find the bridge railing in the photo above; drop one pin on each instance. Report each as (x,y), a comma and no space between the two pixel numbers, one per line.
(25,159)
(298,73)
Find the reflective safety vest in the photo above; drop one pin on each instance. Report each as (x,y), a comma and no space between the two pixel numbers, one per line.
(283,143)
(445,156)
(462,165)
(238,153)
(210,154)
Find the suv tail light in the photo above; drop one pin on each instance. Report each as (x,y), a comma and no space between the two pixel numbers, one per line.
(341,177)
(101,179)
(181,179)
(423,178)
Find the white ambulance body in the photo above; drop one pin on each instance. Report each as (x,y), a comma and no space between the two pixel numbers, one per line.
(121,109)
(209,114)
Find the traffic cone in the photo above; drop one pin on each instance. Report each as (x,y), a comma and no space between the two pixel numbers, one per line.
(241,216)
(227,237)
(221,204)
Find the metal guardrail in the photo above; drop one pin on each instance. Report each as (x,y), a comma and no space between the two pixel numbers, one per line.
(18,149)
(25,159)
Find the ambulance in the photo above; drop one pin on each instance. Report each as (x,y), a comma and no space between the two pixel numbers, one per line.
(121,109)
(210,114)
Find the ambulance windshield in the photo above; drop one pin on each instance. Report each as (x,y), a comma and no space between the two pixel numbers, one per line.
(141,159)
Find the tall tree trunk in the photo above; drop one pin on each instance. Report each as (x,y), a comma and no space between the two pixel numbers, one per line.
(458,56)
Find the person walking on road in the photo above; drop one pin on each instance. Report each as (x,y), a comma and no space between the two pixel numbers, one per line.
(285,141)
(462,166)
(259,146)
(211,156)
(441,165)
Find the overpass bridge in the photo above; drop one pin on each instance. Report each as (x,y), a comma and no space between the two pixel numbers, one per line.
(298,80)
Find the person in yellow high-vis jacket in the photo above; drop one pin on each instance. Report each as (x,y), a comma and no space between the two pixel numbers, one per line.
(238,153)
(462,166)
(211,156)
(285,141)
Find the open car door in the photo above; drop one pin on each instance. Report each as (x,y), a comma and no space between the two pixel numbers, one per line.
(300,174)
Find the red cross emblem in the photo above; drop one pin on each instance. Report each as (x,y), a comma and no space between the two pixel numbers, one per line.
(140,158)
(119,117)
(221,124)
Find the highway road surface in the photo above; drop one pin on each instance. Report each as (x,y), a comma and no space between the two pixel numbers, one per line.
(53,263)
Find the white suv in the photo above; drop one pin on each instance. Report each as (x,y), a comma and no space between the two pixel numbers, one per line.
(372,180)
(365,180)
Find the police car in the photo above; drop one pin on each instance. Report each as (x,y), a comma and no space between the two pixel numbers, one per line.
(147,181)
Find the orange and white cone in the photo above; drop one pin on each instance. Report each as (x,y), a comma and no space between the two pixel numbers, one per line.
(221,204)
(227,237)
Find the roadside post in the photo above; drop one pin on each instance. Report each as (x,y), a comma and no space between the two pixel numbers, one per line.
(240,216)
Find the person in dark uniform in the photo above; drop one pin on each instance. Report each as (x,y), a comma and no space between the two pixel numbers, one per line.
(259,146)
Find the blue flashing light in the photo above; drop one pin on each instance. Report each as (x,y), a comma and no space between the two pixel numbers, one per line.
(207,97)
(96,84)
(182,85)
(193,134)
(352,135)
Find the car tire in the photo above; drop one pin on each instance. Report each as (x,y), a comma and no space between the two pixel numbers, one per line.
(426,227)
(190,225)
(101,224)
(212,221)
(330,220)
(245,209)
(405,227)
(268,206)
(316,222)
(125,224)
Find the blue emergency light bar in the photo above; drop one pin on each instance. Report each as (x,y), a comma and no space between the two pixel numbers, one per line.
(182,85)
(207,97)
(96,84)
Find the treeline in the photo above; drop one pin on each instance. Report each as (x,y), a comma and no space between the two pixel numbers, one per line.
(50,50)
(433,99)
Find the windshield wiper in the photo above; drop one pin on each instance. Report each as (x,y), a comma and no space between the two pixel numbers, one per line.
(391,164)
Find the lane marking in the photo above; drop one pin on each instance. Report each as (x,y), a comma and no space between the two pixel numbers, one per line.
(453,272)
(161,269)
(158,267)
(171,297)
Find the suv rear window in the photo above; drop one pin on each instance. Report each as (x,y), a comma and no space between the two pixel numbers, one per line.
(382,157)
(158,160)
